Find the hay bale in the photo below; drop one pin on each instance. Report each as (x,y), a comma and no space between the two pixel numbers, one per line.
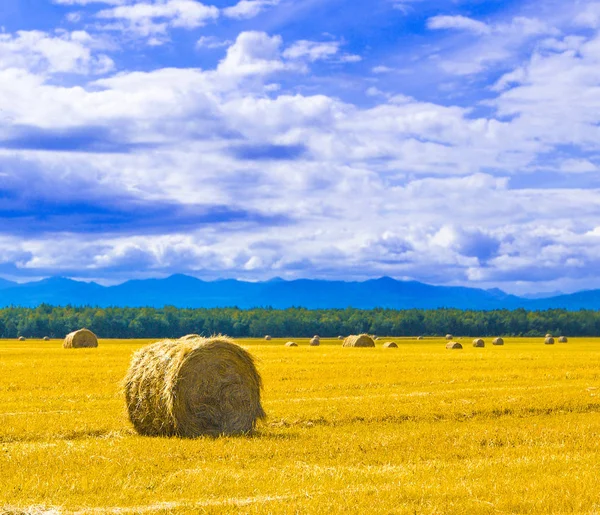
(291,344)
(207,386)
(315,342)
(361,340)
(498,341)
(83,338)
(190,337)
(268,337)
(390,345)
(46,338)
(563,339)
(549,335)
(478,342)
(22,339)
(449,337)
(340,337)
(549,341)
(453,345)
(419,337)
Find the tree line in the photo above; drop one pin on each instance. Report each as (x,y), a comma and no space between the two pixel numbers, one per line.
(171,322)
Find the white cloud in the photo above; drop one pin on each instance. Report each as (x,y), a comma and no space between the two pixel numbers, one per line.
(152,19)
(212,42)
(458,23)
(246,9)
(63,52)
(312,50)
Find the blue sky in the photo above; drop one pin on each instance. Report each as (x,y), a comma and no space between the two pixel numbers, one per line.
(451,142)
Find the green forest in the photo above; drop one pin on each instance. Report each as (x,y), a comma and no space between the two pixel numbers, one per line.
(171,322)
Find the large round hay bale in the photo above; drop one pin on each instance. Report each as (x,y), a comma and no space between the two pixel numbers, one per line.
(563,339)
(453,345)
(207,386)
(22,339)
(84,338)
(549,341)
(361,340)
(192,336)
(449,337)
(478,342)
(268,337)
(549,335)
(291,344)
(498,341)
(390,345)
(315,342)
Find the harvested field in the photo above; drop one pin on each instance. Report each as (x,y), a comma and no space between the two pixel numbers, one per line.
(504,429)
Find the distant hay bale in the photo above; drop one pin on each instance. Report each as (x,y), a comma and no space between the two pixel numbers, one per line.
(563,339)
(315,342)
(453,345)
(361,340)
(478,342)
(268,337)
(419,337)
(549,335)
(377,338)
(317,337)
(46,339)
(340,337)
(84,338)
(449,337)
(390,345)
(291,344)
(207,386)
(22,339)
(190,337)
(549,341)
(498,341)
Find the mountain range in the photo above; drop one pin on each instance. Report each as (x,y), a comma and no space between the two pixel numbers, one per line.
(189,292)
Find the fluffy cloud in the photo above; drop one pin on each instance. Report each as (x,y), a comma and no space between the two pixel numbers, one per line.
(246,9)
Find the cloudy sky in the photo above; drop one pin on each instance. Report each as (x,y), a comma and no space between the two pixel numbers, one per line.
(447,141)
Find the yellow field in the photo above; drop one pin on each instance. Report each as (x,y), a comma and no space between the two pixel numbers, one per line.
(419,429)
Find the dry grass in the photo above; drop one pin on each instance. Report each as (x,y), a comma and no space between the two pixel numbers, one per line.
(81,339)
(513,429)
(202,386)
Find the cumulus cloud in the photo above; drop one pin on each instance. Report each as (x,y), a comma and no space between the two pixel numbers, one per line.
(246,9)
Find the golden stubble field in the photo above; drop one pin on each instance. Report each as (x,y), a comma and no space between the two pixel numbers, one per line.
(418,429)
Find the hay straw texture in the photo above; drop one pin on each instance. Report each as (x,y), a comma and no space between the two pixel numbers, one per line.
(478,342)
(390,345)
(83,338)
(361,340)
(190,337)
(449,337)
(291,344)
(268,338)
(22,338)
(549,341)
(315,342)
(563,339)
(498,341)
(206,386)
(453,345)
(46,338)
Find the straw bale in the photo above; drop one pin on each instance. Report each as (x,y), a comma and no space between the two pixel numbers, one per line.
(478,342)
(563,339)
(453,345)
(390,345)
(549,341)
(291,344)
(84,338)
(498,341)
(315,342)
(361,340)
(206,386)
